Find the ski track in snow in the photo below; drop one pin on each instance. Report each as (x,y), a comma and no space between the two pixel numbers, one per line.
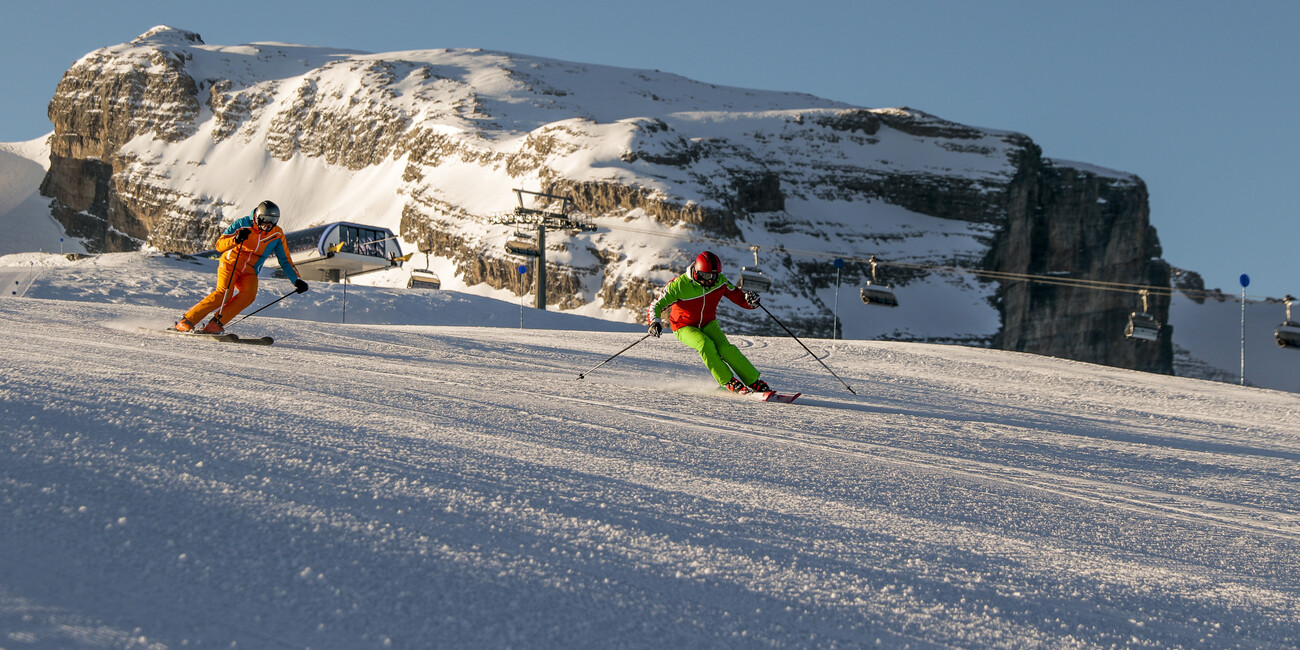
(402,486)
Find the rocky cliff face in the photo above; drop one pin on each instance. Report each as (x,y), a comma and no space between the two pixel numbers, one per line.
(1070,223)
(109,197)
(162,140)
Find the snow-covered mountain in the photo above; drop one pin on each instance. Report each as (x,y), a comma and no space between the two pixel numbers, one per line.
(441,483)
(162,140)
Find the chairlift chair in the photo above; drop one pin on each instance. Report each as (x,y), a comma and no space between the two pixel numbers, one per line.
(1288,333)
(1142,325)
(878,294)
(522,244)
(753,278)
(424,278)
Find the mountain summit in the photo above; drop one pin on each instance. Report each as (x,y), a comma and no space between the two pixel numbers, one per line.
(164,140)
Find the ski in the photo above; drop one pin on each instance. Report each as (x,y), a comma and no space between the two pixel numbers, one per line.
(773,396)
(196,335)
(260,340)
(765,396)
(224,338)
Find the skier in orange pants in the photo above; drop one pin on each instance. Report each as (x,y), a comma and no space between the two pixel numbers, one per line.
(244,247)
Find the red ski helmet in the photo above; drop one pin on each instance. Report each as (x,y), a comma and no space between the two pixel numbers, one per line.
(707,268)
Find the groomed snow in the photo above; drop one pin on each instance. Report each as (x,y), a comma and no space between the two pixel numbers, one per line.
(451,485)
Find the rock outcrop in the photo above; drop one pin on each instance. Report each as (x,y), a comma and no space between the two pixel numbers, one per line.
(162,140)
(101,194)
(1065,223)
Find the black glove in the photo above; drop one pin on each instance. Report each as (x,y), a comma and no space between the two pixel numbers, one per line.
(751,297)
(300,286)
(656,328)
(242,234)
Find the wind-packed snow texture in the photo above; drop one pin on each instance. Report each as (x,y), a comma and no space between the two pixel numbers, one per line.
(453,484)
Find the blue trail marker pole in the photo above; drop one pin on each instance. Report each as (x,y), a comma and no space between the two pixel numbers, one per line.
(1245,282)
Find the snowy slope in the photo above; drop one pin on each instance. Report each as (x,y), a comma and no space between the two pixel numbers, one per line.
(413,485)
(25,221)
(176,282)
(1207,336)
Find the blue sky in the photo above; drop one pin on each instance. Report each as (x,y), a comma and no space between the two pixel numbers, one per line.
(1198,98)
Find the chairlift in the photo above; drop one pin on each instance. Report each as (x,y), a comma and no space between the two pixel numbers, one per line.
(523,244)
(1288,333)
(878,294)
(424,278)
(1142,325)
(753,278)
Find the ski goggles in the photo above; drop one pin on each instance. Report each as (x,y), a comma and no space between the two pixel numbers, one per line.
(266,224)
(706,278)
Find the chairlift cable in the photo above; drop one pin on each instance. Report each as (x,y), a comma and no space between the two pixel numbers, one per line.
(1056,280)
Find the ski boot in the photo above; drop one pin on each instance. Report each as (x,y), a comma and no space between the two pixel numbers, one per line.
(760,386)
(736,387)
(183,325)
(214,327)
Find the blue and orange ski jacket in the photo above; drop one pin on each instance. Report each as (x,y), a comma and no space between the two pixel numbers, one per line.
(252,254)
(694,304)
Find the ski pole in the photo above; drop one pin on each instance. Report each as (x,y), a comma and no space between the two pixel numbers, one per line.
(810,352)
(580,376)
(230,281)
(267,305)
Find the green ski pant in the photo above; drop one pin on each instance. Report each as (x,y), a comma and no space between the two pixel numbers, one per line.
(719,354)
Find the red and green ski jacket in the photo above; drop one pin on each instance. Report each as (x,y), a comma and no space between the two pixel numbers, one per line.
(694,304)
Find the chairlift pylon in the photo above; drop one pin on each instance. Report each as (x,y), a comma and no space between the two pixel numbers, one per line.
(753,278)
(1142,325)
(874,293)
(1288,333)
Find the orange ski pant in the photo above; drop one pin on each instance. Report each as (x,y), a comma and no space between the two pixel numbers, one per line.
(240,296)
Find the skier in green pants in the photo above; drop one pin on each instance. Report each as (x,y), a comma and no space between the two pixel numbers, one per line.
(694,298)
